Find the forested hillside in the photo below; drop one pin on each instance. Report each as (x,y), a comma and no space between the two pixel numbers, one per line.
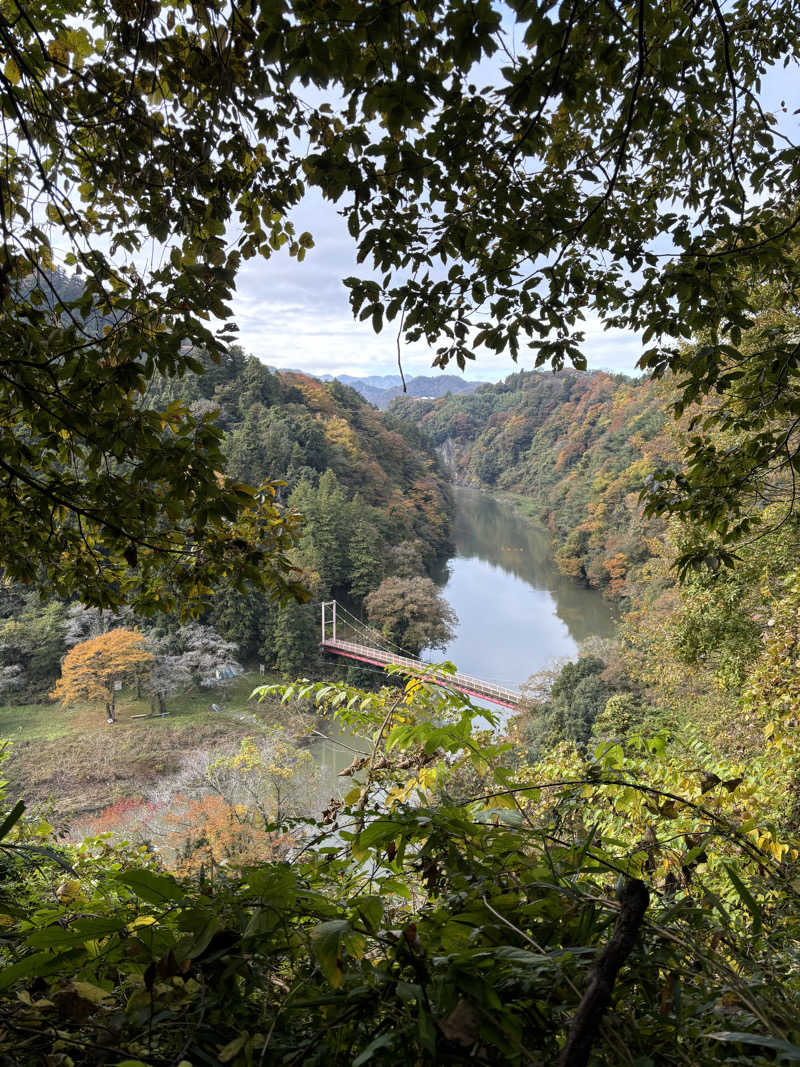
(610,879)
(577,445)
(364,483)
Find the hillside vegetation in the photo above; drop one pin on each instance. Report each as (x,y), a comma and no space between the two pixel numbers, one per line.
(578,446)
(363,481)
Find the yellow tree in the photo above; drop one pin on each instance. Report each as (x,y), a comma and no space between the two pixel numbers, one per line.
(91,669)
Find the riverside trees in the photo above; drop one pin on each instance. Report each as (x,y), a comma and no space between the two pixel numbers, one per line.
(93,669)
(411,613)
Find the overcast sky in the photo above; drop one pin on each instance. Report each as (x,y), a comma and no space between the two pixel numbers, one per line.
(297,314)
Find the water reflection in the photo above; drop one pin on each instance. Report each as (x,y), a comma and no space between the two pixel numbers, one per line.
(516,611)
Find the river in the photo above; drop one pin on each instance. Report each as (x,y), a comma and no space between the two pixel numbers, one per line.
(516,612)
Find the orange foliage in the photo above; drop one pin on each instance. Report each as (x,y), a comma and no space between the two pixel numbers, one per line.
(617,568)
(124,816)
(91,668)
(210,832)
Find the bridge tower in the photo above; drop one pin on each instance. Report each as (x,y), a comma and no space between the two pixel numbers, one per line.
(328,621)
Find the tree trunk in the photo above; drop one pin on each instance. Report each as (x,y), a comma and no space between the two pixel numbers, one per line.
(586,1022)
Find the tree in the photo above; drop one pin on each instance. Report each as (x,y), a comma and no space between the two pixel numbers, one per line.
(330,533)
(119,502)
(168,674)
(295,639)
(539,195)
(32,646)
(92,669)
(569,708)
(742,453)
(204,655)
(365,563)
(411,613)
(405,559)
(229,806)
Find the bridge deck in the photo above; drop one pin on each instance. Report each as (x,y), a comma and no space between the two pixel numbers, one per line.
(465,683)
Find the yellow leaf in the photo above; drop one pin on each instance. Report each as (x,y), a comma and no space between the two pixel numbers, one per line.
(11,71)
(90,992)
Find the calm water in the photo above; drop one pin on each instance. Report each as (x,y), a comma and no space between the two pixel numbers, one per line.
(516,612)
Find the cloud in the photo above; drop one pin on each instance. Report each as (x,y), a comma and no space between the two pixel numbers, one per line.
(297,315)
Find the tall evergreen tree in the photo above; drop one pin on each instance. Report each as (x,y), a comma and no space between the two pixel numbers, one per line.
(365,563)
(295,639)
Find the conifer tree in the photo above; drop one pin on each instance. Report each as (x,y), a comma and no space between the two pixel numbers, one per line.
(364,550)
(295,637)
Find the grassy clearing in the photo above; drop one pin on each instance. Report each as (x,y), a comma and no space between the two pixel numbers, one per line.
(71,761)
(34,722)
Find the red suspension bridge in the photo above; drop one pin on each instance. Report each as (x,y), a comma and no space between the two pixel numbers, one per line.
(354,640)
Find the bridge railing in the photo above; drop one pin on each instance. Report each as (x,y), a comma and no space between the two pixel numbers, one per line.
(479,685)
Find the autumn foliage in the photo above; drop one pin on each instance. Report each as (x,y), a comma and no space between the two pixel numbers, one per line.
(211,832)
(91,668)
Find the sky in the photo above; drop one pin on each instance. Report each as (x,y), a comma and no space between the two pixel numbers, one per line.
(297,315)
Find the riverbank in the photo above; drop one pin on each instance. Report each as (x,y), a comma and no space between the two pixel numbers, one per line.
(70,762)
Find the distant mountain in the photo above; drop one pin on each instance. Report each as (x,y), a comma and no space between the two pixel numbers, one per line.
(381,389)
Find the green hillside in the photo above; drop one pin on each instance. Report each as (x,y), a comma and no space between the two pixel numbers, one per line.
(577,446)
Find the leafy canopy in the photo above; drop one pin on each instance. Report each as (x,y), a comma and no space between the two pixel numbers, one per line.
(154,147)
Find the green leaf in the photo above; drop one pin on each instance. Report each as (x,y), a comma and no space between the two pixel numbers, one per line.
(370,910)
(36,965)
(787,1050)
(746,897)
(154,888)
(201,941)
(382,1041)
(56,937)
(326,942)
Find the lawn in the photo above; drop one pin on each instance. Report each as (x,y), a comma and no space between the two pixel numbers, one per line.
(33,722)
(72,762)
